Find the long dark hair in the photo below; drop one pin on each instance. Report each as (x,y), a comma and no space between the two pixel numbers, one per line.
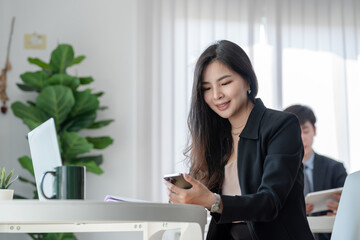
(211,143)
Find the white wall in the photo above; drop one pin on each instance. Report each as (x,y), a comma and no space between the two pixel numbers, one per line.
(103,31)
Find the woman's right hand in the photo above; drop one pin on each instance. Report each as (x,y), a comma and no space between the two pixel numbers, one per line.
(199,194)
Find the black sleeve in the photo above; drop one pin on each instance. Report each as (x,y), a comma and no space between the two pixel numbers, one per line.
(338,175)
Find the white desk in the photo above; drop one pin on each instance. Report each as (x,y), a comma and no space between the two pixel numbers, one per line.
(321,224)
(153,219)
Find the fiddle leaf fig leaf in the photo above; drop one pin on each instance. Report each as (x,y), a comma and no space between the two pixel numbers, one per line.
(56,101)
(90,165)
(84,102)
(86,80)
(99,94)
(65,80)
(77,60)
(100,124)
(80,122)
(31,124)
(27,88)
(21,179)
(31,103)
(61,58)
(32,114)
(73,144)
(98,159)
(26,163)
(37,80)
(103,108)
(39,63)
(59,236)
(100,142)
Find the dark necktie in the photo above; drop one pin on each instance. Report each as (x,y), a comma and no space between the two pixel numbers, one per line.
(306,183)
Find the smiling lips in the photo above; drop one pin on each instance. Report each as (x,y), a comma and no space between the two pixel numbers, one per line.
(223,106)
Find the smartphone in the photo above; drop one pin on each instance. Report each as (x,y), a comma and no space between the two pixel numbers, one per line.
(178,180)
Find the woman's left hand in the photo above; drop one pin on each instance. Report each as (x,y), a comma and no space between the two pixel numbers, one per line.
(199,194)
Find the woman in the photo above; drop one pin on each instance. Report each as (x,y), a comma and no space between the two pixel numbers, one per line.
(245,159)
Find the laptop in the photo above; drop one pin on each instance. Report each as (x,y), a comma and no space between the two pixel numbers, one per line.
(347,220)
(45,154)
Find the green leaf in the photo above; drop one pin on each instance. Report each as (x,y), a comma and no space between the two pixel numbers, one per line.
(56,102)
(91,166)
(102,108)
(9,183)
(85,102)
(27,88)
(98,159)
(59,236)
(31,124)
(65,80)
(36,194)
(100,124)
(99,94)
(26,163)
(86,80)
(77,60)
(81,122)
(37,80)
(31,103)
(39,63)
(100,142)
(9,176)
(61,58)
(30,113)
(73,144)
(2,179)
(24,180)
(16,196)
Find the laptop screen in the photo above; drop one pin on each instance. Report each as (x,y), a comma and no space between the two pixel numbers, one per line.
(45,154)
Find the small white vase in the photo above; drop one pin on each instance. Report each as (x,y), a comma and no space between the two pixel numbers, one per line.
(6,194)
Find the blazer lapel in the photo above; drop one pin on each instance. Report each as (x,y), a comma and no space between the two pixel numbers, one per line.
(319,174)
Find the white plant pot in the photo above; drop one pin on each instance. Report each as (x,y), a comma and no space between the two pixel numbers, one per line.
(6,194)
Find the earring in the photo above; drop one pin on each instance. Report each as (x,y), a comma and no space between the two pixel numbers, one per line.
(249,91)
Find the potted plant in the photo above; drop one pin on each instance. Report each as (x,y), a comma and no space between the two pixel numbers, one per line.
(5,182)
(74,107)
(60,97)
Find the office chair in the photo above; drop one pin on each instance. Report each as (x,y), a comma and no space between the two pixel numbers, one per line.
(347,220)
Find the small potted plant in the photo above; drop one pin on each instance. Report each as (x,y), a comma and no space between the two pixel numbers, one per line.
(5,182)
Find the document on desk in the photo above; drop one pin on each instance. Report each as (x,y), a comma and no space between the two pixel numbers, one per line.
(320,198)
(110,198)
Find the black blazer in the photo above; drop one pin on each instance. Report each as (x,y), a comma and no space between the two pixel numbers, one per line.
(271,178)
(327,174)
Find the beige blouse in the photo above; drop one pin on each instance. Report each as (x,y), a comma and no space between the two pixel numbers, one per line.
(231,184)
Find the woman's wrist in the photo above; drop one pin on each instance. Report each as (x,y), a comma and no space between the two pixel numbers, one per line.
(211,201)
(215,203)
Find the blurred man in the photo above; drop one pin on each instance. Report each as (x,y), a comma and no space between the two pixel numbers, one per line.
(320,172)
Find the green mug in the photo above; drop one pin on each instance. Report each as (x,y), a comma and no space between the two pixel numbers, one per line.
(69,182)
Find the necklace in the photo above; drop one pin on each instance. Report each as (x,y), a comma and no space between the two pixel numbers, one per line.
(236,131)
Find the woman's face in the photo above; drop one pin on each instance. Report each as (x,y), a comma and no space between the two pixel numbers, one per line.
(225,91)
